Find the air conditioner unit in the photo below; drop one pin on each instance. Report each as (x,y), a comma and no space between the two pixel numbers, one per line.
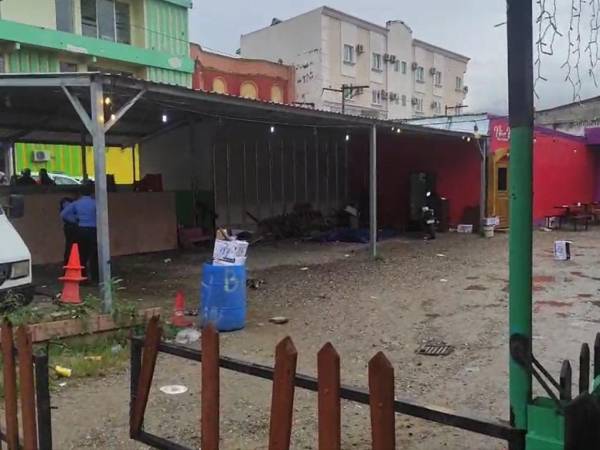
(466,89)
(360,49)
(414,66)
(41,156)
(393,59)
(433,71)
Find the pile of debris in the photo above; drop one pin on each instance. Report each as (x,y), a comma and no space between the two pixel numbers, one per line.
(303,221)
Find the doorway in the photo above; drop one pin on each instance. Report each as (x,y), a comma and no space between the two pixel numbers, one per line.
(499,189)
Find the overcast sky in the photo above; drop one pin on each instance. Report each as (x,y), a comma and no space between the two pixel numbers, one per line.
(464,26)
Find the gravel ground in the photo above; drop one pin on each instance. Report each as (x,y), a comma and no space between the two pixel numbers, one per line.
(453,290)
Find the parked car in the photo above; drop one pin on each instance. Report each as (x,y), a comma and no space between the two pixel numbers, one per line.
(60,179)
(15,259)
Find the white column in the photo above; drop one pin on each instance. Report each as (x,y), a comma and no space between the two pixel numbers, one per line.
(373,190)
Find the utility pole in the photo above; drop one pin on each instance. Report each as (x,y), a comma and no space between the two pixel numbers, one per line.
(520,89)
(345,88)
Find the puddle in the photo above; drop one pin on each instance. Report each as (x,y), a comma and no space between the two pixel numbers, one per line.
(476,287)
(542,304)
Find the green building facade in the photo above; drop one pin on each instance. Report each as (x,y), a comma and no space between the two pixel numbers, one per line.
(146,39)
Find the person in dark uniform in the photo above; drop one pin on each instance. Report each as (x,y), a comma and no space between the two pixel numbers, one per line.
(70,228)
(45,179)
(26,179)
(84,211)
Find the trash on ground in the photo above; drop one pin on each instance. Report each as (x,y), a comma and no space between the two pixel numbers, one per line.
(443,280)
(174,389)
(187,336)
(303,268)
(465,228)
(435,349)
(562,250)
(116,349)
(373,297)
(441,255)
(167,260)
(64,372)
(254,283)
(93,358)
(546,229)
(63,384)
(472,369)
(279,320)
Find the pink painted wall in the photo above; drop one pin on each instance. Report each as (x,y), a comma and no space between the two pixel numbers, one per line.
(564,167)
(456,164)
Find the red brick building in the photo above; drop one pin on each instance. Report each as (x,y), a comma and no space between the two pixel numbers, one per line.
(250,78)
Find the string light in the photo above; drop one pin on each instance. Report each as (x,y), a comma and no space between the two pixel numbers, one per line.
(165,119)
(272,129)
(107,101)
(347,137)
(112,117)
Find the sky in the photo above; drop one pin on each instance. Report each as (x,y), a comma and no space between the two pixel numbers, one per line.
(469,27)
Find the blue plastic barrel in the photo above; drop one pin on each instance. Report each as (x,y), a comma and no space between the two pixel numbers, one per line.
(223,296)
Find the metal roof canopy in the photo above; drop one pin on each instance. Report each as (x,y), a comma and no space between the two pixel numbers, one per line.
(34,108)
(69,108)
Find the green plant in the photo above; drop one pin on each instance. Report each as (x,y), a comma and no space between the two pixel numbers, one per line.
(16,312)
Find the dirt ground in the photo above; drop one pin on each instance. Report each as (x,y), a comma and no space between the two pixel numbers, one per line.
(453,289)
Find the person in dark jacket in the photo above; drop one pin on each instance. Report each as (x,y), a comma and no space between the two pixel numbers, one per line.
(70,228)
(45,179)
(26,179)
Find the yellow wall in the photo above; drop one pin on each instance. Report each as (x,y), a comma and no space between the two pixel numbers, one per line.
(119,163)
(41,13)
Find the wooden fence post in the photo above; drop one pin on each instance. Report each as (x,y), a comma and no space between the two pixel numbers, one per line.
(566,381)
(27,388)
(149,355)
(381,400)
(282,401)
(10,387)
(330,423)
(597,356)
(584,369)
(210,389)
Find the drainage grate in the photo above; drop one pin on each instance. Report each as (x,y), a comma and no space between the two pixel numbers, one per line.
(435,349)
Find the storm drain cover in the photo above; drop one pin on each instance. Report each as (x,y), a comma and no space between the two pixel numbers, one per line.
(437,349)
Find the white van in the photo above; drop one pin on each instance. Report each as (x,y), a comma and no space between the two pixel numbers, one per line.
(15,258)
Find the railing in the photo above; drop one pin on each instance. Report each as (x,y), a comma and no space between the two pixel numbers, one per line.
(33,390)
(380,395)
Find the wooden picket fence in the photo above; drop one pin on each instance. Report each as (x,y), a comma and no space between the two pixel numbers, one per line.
(25,378)
(380,396)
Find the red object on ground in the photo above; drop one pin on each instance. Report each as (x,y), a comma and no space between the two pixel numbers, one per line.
(178,318)
(72,278)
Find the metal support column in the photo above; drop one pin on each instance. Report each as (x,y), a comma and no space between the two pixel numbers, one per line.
(483,149)
(520,83)
(84,171)
(373,190)
(98,138)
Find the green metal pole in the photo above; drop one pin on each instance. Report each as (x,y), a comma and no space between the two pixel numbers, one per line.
(520,86)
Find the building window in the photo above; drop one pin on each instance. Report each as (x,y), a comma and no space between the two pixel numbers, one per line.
(420,74)
(64,15)
(404,100)
(376,62)
(397,66)
(276,94)
(123,21)
(248,90)
(106,19)
(459,83)
(89,23)
(348,54)
(418,104)
(376,94)
(437,106)
(67,67)
(404,67)
(219,86)
(438,78)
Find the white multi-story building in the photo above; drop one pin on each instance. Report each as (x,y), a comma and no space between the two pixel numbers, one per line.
(333,51)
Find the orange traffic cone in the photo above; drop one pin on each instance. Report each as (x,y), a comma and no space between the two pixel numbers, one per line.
(178,319)
(72,278)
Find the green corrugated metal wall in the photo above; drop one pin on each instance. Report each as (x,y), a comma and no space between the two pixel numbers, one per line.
(167,27)
(64,158)
(28,60)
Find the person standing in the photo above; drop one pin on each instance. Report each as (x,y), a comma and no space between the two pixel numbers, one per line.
(84,212)
(70,228)
(26,179)
(45,179)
